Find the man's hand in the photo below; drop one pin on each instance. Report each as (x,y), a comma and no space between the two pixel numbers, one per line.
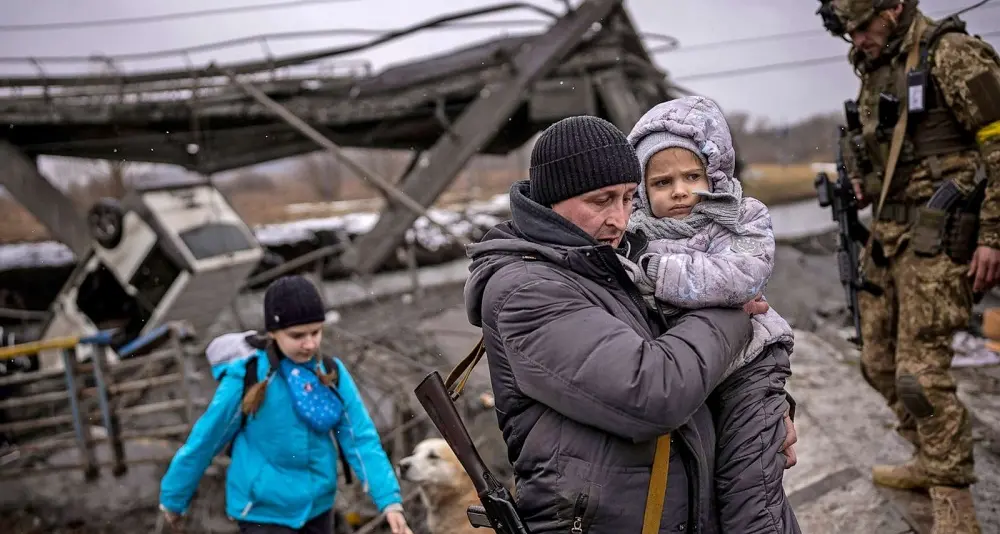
(985,268)
(757,306)
(859,195)
(788,446)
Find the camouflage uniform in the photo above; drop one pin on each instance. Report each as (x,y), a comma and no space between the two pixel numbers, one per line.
(907,331)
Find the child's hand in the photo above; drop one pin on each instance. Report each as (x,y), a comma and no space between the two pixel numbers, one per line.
(758,306)
(638,276)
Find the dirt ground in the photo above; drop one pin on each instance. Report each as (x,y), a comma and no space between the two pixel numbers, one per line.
(62,503)
(843,425)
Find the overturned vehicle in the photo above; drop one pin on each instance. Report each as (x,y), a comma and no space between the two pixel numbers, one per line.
(171,250)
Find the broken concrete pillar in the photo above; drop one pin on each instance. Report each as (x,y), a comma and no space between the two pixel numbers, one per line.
(20,176)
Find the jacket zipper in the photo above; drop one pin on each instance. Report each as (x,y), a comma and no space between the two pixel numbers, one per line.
(364,471)
(350,429)
(694,484)
(578,511)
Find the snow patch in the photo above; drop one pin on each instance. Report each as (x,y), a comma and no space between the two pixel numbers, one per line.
(477,215)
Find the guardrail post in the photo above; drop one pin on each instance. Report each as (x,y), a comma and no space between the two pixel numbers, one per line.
(81,427)
(108,415)
(182,365)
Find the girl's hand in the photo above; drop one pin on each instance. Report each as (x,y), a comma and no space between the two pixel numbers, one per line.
(174,521)
(397,523)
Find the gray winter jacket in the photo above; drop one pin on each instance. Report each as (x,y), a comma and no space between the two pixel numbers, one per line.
(723,253)
(585,380)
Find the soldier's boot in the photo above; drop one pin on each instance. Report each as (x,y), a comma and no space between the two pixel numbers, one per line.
(954,512)
(908,476)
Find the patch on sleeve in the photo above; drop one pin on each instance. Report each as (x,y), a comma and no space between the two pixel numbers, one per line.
(984,92)
(746,245)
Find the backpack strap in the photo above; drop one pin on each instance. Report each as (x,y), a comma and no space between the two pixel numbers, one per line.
(332,368)
(249,381)
(934,32)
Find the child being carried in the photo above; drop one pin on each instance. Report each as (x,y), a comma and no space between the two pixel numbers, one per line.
(704,244)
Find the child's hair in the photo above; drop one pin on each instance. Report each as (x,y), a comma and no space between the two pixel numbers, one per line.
(255,397)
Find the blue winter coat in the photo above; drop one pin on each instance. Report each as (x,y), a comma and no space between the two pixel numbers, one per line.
(282,471)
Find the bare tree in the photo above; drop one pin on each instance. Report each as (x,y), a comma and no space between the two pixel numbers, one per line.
(324,173)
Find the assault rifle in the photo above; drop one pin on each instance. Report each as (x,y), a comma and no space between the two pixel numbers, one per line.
(497,511)
(851,234)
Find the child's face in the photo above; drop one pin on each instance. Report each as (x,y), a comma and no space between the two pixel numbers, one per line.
(299,343)
(672,177)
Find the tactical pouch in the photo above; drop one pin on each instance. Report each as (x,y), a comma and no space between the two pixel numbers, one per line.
(963,238)
(928,231)
(871,185)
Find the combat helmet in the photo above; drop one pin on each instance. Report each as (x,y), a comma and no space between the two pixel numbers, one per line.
(841,17)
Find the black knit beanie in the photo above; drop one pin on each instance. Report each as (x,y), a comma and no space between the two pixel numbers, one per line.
(292,301)
(578,155)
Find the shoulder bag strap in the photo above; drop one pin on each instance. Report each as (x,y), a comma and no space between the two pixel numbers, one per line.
(331,367)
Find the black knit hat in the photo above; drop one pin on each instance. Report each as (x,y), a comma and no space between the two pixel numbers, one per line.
(578,155)
(291,301)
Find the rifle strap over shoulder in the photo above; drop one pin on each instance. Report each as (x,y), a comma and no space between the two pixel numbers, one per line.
(899,131)
(657,493)
(459,376)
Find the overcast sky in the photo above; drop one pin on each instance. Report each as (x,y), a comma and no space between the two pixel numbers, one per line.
(782,95)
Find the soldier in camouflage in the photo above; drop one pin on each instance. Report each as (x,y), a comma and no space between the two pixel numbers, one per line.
(935,259)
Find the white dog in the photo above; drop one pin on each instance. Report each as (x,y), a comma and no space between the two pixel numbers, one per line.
(445,488)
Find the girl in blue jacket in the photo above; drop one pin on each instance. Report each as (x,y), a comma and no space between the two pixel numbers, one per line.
(283,475)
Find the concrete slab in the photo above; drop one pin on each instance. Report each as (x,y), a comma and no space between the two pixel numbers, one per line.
(855,421)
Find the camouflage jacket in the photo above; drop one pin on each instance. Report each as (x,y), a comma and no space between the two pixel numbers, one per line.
(963,68)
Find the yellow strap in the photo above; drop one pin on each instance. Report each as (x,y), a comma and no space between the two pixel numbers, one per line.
(459,376)
(31,347)
(898,132)
(988,132)
(657,487)
(655,497)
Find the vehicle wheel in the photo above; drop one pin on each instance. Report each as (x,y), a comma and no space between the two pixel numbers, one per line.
(106,218)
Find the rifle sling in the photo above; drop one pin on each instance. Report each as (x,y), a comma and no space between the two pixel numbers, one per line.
(898,132)
(657,493)
(459,376)
(655,496)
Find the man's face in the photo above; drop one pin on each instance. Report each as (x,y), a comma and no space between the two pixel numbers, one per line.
(672,177)
(299,343)
(872,36)
(602,213)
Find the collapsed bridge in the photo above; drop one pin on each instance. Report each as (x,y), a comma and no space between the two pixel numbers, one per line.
(488,98)
(176,252)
